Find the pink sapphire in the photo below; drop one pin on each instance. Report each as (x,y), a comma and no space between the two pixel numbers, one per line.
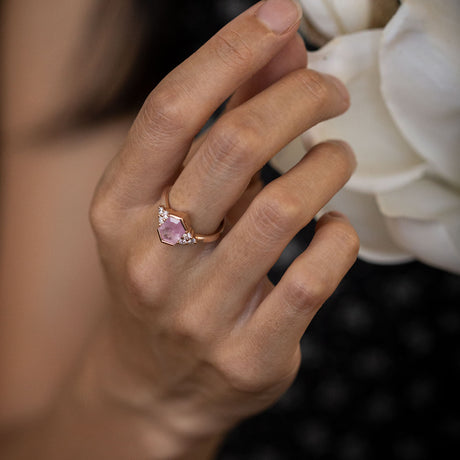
(171,230)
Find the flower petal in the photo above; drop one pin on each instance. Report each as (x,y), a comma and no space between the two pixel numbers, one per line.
(434,243)
(289,156)
(353,15)
(338,17)
(385,159)
(321,16)
(425,199)
(424,218)
(377,245)
(420,72)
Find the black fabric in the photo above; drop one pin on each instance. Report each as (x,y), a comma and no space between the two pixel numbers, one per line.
(380,372)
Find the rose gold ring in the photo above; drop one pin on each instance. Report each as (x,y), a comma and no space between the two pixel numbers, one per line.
(174,227)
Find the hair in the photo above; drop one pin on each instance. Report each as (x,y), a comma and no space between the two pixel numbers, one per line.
(130,46)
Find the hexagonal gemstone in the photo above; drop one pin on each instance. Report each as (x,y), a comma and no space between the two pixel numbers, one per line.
(171,230)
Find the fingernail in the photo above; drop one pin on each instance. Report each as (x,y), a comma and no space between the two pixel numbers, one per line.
(279,15)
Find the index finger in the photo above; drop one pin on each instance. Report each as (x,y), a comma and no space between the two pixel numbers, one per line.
(182,103)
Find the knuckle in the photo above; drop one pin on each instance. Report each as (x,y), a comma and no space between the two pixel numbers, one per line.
(101,217)
(193,328)
(139,278)
(232,49)
(313,84)
(232,144)
(244,376)
(163,110)
(279,212)
(246,370)
(248,383)
(306,292)
(97,215)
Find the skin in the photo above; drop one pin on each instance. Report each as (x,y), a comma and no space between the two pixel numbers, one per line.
(184,342)
(52,289)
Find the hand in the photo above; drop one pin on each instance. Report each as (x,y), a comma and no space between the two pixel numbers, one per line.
(200,337)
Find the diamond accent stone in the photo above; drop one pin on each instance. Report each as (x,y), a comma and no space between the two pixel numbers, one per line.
(162,215)
(187,238)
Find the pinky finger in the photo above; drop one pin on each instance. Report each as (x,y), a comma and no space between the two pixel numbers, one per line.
(281,319)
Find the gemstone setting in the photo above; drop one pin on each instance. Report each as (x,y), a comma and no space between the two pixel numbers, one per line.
(172,230)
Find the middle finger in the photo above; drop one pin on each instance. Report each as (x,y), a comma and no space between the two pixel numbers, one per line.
(292,57)
(244,139)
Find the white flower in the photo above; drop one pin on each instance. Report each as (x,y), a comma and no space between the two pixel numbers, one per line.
(404,126)
(329,18)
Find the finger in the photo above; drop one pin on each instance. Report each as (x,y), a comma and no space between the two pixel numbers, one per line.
(181,104)
(280,210)
(281,319)
(243,140)
(292,57)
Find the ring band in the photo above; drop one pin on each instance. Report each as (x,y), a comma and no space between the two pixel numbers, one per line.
(174,227)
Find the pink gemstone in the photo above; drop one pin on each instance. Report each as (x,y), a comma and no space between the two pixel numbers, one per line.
(171,231)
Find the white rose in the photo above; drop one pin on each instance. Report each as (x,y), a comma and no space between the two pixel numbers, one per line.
(404,125)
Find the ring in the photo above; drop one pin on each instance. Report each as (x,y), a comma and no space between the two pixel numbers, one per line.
(174,227)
